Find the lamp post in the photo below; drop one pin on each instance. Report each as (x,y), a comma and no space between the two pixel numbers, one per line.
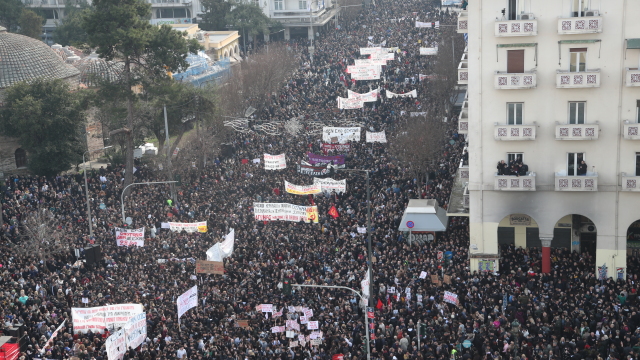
(366,320)
(369,251)
(86,188)
(143,183)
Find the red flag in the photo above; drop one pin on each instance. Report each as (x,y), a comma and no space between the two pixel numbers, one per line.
(379,305)
(333,212)
(311,200)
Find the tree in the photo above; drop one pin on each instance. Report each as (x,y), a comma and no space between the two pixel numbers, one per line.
(48,120)
(69,31)
(10,11)
(213,18)
(31,24)
(120,31)
(249,18)
(41,236)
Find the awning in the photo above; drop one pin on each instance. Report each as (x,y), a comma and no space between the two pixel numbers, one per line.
(424,215)
(633,43)
(519,45)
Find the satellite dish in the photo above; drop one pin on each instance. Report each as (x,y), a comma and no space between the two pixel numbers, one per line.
(128,220)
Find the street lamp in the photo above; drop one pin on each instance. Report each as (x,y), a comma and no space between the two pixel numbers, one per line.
(143,183)
(369,252)
(366,319)
(86,187)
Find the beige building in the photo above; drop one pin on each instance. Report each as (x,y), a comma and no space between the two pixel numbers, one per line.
(554,84)
(217,44)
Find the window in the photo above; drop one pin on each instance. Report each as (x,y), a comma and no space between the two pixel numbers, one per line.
(173,13)
(573,164)
(513,158)
(302,4)
(579,7)
(21,158)
(516,7)
(637,164)
(514,113)
(577,59)
(279,5)
(638,111)
(576,112)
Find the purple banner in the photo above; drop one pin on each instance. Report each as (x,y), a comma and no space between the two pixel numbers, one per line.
(319,159)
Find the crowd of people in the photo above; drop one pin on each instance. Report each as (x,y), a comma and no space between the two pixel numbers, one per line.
(517,313)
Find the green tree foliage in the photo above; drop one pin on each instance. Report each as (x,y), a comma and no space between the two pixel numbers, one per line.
(249,18)
(69,31)
(215,11)
(48,121)
(120,31)
(31,24)
(10,11)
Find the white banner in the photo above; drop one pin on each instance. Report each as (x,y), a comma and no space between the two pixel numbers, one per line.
(365,285)
(341,135)
(429,51)
(364,72)
(223,249)
(116,345)
(187,301)
(383,56)
(189,227)
(423,24)
(413,94)
(349,104)
(329,185)
(451,298)
(370,50)
(97,319)
(274,162)
(366,62)
(376,137)
(136,330)
(53,336)
(285,212)
(126,237)
(371,96)
(371,44)
(301,189)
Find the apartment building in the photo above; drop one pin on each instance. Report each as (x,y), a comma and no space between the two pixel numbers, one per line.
(554,92)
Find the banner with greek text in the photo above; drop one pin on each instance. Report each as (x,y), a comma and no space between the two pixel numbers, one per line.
(336,147)
(321,159)
(312,170)
(349,104)
(367,62)
(340,135)
(189,227)
(136,330)
(329,185)
(413,94)
(126,237)
(371,96)
(187,301)
(429,51)
(97,319)
(376,137)
(116,345)
(301,189)
(284,212)
(451,298)
(275,162)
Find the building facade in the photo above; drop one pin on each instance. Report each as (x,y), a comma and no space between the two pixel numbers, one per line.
(554,92)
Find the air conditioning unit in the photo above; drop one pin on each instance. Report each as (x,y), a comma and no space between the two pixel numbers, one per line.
(526,17)
(592,13)
(589,228)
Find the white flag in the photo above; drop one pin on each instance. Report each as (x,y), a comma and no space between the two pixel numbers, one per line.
(223,249)
(365,285)
(187,300)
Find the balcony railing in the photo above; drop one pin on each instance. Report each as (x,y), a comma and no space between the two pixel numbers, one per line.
(514,132)
(580,25)
(630,183)
(515,183)
(463,22)
(463,120)
(505,81)
(463,172)
(465,197)
(633,77)
(631,131)
(577,80)
(588,182)
(463,73)
(577,131)
(525,27)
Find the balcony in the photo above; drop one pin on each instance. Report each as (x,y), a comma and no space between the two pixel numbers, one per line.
(515,183)
(631,131)
(630,183)
(523,27)
(577,131)
(580,25)
(576,183)
(463,73)
(463,22)
(465,197)
(463,172)
(463,120)
(514,132)
(577,80)
(633,77)
(506,81)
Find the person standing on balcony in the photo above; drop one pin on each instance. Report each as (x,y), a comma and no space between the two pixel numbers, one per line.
(582,168)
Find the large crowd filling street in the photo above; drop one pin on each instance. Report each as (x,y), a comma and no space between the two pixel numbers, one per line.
(565,314)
